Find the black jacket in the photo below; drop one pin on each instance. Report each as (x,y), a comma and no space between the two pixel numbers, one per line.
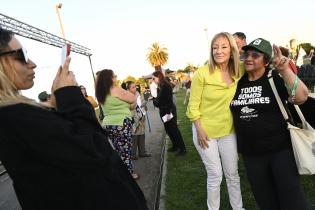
(62,159)
(164,99)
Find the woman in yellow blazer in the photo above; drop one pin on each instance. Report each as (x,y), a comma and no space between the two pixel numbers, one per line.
(212,89)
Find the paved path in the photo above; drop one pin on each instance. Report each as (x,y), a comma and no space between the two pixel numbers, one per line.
(8,199)
(149,168)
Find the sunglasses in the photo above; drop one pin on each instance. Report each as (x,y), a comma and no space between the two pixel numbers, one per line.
(253,54)
(20,54)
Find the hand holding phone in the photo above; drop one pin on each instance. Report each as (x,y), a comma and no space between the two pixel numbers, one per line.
(64,77)
(65,52)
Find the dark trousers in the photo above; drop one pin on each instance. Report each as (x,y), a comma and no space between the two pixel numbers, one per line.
(274,180)
(173,132)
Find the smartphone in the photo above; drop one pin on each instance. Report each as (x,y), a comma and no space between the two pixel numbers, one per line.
(65,51)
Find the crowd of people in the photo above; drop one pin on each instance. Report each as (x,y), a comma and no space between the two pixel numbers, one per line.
(58,142)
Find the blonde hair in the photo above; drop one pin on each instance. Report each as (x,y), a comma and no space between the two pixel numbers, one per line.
(9,94)
(234,61)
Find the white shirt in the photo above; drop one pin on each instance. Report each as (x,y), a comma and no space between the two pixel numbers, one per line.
(299,60)
(153,89)
(139,103)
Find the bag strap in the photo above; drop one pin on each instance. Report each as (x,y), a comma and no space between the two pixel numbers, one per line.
(298,110)
(283,111)
(275,92)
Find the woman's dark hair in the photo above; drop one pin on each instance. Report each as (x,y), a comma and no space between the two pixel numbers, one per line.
(123,86)
(5,38)
(162,80)
(103,84)
(82,87)
(128,84)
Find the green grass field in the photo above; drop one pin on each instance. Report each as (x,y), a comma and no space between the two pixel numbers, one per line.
(186,176)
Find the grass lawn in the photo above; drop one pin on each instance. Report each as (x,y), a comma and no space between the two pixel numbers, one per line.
(186,176)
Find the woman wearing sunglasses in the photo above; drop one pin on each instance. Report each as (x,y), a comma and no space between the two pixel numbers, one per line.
(57,159)
(262,135)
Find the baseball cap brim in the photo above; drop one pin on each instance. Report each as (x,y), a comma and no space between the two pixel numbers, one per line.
(250,47)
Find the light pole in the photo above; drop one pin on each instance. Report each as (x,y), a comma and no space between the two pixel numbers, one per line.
(58,6)
(206,32)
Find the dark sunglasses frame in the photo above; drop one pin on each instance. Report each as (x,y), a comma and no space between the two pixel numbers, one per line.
(21,54)
(253,54)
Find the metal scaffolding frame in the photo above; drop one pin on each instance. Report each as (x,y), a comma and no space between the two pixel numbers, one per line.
(25,30)
(31,32)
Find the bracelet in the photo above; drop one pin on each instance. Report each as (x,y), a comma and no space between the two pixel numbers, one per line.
(293,91)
